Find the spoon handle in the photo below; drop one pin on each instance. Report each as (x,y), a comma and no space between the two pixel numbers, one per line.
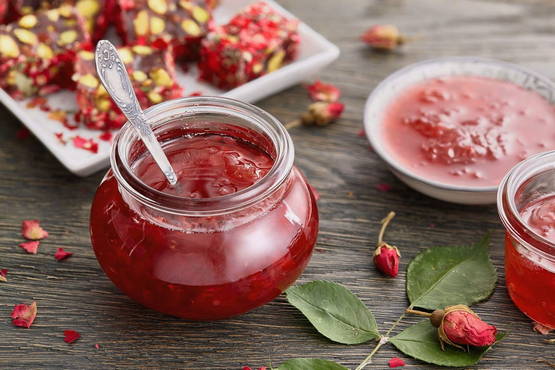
(115,79)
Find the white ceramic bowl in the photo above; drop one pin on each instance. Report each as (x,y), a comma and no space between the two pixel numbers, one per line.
(397,82)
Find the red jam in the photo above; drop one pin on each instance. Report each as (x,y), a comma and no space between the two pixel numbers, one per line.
(465,130)
(213,266)
(530,276)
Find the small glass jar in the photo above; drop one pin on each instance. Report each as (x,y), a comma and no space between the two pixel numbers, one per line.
(529,256)
(204,258)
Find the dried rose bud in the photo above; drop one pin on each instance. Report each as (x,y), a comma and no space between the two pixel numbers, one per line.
(459,325)
(320,91)
(383,37)
(322,113)
(386,257)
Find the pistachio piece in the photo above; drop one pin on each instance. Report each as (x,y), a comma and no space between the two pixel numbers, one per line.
(161,77)
(87,8)
(28,21)
(67,37)
(44,51)
(154,97)
(158,6)
(157,25)
(200,14)
(142,50)
(191,27)
(126,55)
(53,15)
(276,61)
(66,10)
(87,55)
(139,76)
(26,36)
(141,23)
(8,47)
(89,80)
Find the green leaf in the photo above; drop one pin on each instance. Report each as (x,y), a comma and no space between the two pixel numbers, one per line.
(310,364)
(421,342)
(446,276)
(334,311)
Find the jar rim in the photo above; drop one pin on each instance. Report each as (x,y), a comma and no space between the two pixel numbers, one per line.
(506,204)
(173,110)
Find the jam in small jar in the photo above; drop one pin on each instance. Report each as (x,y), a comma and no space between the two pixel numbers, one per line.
(235,232)
(526,203)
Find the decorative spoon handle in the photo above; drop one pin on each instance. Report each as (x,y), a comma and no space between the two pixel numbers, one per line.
(115,79)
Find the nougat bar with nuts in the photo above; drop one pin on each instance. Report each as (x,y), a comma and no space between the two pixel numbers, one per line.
(37,51)
(179,23)
(256,41)
(152,73)
(97,13)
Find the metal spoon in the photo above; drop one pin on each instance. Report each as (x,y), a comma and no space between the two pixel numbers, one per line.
(115,79)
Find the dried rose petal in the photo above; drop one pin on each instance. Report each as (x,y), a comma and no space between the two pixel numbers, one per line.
(71,336)
(61,254)
(320,91)
(384,187)
(361,133)
(58,115)
(30,247)
(106,136)
(97,346)
(383,37)
(196,93)
(35,102)
(23,133)
(4,275)
(396,362)
(60,137)
(23,315)
(543,330)
(87,144)
(31,230)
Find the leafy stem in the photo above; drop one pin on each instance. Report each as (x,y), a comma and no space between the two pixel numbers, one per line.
(386,220)
(383,340)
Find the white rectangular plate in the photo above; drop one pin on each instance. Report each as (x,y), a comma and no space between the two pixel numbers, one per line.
(315,52)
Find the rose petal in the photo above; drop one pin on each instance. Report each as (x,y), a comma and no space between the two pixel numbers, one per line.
(30,247)
(87,144)
(4,275)
(22,133)
(61,254)
(97,346)
(23,315)
(396,362)
(71,336)
(384,187)
(543,330)
(60,137)
(106,136)
(361,133)
(31,230)
(196,93)
(320,91)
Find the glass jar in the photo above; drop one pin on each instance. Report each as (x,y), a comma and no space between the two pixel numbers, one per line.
(204,258)
(529,250)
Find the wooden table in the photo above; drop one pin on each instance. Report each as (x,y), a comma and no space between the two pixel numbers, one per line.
(76,294)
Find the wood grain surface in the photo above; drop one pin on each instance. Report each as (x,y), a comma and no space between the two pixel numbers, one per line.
(75,294)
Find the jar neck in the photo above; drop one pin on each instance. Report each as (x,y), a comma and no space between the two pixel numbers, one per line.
(204,115)
(528,181)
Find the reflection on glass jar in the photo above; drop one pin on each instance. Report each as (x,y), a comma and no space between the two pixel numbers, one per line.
(236,231)
(526,203)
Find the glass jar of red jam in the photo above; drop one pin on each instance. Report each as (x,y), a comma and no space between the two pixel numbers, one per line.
(526,203)
(235,232)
